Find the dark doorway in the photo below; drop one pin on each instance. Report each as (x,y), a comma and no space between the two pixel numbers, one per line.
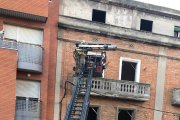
(146,25)
(128,71)
(93,113)
(125,115)
(99,16)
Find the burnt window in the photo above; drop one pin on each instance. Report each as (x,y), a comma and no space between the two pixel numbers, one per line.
(128,70)
(125,114)
(93,113)
(99,16)
(146,25)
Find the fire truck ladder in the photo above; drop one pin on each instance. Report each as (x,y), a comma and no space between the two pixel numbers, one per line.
(78,106)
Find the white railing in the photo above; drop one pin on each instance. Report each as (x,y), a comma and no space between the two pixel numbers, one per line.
(119,89)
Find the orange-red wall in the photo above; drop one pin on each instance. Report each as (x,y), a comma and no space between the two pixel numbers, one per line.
(8,65)
(36,7)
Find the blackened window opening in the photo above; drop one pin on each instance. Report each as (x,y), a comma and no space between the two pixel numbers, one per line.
(128,71)
(146,25)
(92,114)
(99,16)
(125,115)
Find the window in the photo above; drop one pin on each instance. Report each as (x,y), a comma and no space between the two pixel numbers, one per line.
(93,113)
(146,25)
(177,32)
(126,114)
(99,16)
(129,69)
(98,60)
(23,34)
(30,89)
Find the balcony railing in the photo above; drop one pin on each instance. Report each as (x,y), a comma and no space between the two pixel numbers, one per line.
(8,44)
(27,109)
(175,96)
(30,57)
(119,89)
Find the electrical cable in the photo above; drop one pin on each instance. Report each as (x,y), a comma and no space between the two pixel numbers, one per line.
(137,105)
(165,112)
(64,95)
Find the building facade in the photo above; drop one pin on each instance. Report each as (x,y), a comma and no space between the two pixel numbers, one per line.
(141,81)
(28,59)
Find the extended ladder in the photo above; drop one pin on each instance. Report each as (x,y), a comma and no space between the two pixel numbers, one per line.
(86,67)
(78,106)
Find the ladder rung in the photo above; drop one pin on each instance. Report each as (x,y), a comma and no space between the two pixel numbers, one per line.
(78,106)
(76,114)
(83,87)
(77,110)
(75,118)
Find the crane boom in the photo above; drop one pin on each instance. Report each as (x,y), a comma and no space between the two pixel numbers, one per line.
(87,66)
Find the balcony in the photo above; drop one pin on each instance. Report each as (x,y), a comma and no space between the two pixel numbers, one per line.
(119,89)
(30,58)
(175,96)
(27,109)
(8,44)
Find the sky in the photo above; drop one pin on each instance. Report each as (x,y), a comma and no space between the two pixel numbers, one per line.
(174,4)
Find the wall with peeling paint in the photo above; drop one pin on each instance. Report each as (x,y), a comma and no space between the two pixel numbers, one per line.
(117,16)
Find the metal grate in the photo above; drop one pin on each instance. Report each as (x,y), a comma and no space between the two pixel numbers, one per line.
(28,109)
(30,53)
(8,44)
(21,104)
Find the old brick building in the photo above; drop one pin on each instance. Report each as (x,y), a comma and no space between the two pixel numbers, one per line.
(28,59)
(143,74)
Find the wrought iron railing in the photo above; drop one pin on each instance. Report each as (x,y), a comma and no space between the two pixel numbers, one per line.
(119,89)
(28,109)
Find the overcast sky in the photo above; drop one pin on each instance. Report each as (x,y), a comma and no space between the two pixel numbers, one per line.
(174,4)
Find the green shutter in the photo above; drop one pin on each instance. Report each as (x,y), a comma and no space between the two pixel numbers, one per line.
(177,29)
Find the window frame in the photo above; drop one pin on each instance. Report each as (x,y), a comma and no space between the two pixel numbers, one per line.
(148,21)
(93,53)
(126,108)
(138,67)
(99,110)
(99,11)
(177,32)
(23,26)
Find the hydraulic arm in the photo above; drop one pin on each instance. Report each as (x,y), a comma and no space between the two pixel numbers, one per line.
(87,66)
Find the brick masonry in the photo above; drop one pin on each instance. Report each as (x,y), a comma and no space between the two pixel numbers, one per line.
(47,78)
(36,7)
(109,106)
(8,65)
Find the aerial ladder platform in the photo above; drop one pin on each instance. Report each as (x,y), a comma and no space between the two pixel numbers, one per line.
(87,66)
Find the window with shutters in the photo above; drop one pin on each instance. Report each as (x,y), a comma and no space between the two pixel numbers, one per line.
(28,104)
(177,32)
(28,89)
(23,34)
